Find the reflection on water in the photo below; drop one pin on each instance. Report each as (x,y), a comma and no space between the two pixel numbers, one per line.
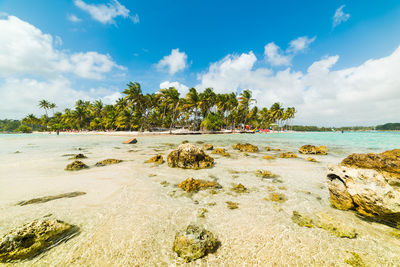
(131,211)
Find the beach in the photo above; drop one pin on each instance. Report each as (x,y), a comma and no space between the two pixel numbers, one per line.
(132,211)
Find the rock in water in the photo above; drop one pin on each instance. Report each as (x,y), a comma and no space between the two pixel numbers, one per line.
(78,156)
(194,185)
(287,155)
(158,159)
(221,151)
(34,238)
(76,166)
(316,150)
(194,242)
(369,184)
(245,147)
(207,147)
(189,156)
(130,141)
(302,220)
(107,162)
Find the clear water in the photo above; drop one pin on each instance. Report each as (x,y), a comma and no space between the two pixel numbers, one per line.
(128,218)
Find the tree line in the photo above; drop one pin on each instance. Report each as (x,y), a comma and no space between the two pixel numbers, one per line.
(165,109)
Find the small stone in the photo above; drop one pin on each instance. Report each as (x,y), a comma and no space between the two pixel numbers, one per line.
(193,185)
(158,159)
(311,159)
(264,174)
(76,166)
(78,156)
(207,147)
(302,220)
(239,188)
(221,151)
(270,188)
(232,205)
(194,242)
(277,197)
(130,141)
(288,155)
(245,147)
(107,162)
(268,157)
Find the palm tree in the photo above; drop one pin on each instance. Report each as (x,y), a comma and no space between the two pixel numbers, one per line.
(44,104)
(52,106)
(277,112)
(245,101)
(207,100)
(192,103)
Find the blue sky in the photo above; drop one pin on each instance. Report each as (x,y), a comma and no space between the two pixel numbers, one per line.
(270,44)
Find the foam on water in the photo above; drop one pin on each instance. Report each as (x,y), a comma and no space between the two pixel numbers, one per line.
(128,218)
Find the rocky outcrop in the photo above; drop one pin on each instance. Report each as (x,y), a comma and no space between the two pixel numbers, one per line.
(194,242)
(189,156)
(245,147)
(194,185)
(108,162)
(34,238)
(158,159)
(369,184)
(315,150)
(76,166)
(50,198)
(130,141)
(207,147)
(287,155)
(221,151)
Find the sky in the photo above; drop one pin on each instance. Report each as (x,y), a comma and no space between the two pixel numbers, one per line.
(336,61)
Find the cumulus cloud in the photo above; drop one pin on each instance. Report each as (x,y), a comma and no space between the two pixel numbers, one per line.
(340,16)
(24,49)
(73,18)
(182,89)
(277,57)
(105,13)
(176,61)
(365,94)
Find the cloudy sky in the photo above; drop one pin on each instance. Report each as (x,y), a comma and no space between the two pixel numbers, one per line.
(337,62)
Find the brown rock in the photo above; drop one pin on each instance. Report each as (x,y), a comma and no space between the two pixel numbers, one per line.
(130,141)
(221,151)
(189,156)
(310,149)
(76,166)
(158,159)
(288,155)
(245,147)
(207,147)
(194,185)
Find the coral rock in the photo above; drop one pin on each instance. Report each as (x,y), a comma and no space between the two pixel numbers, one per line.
(194,242)
(107,162)
(268,157)
(78,156)
(158,159)
(245,147)
(288,155)
(221,151)
(310,149)
(207,147)
(189,156)
(232,205)
(76,166)
(193,185)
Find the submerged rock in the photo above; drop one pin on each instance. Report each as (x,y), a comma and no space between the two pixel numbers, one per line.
(288,155)
(76,166)
(194,185)
(268,157)
(311,159)
(194,242)
(232,205)
(267,148)
(199,142)
(369,184)
(130,141)
(239,188)
(327,222)
(221,151)
(78,156)
(185,142)
(50,198)
(245,147)
(34,238)
(316,150)
(277,197)
(189,156)
(158,159)
(302,220)
(264,174)
(108,162)
(355,260)
(207,147)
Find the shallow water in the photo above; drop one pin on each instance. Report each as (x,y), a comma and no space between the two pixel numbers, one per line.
(128,218)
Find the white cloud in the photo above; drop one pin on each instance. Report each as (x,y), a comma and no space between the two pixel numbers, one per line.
(182,89)
(73,18)
(25,50)
(176,61)
(300,44)
(365,94)
(340,16)
(105,13)
(275,56)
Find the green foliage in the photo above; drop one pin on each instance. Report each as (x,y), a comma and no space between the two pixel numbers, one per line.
(213,122)
(389,127)
(9,125)
(24,129)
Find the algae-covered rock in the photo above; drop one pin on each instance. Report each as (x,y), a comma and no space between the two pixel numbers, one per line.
(201,213)
(34,238)
(302,220)
(194,242)
(207,147)
(334,226)
(107,162)
(239,188)
(221,151)
(232,205)
(267,148)
(316,150)
(355,260)
(311,159)
(50,198)
(76,166)
(286,155)
(189,156)
(158,159)
(268,157)
(78,156)
(277,197)
(194,185)
(185,142)
(264,174)
(199,142)
(245,147)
